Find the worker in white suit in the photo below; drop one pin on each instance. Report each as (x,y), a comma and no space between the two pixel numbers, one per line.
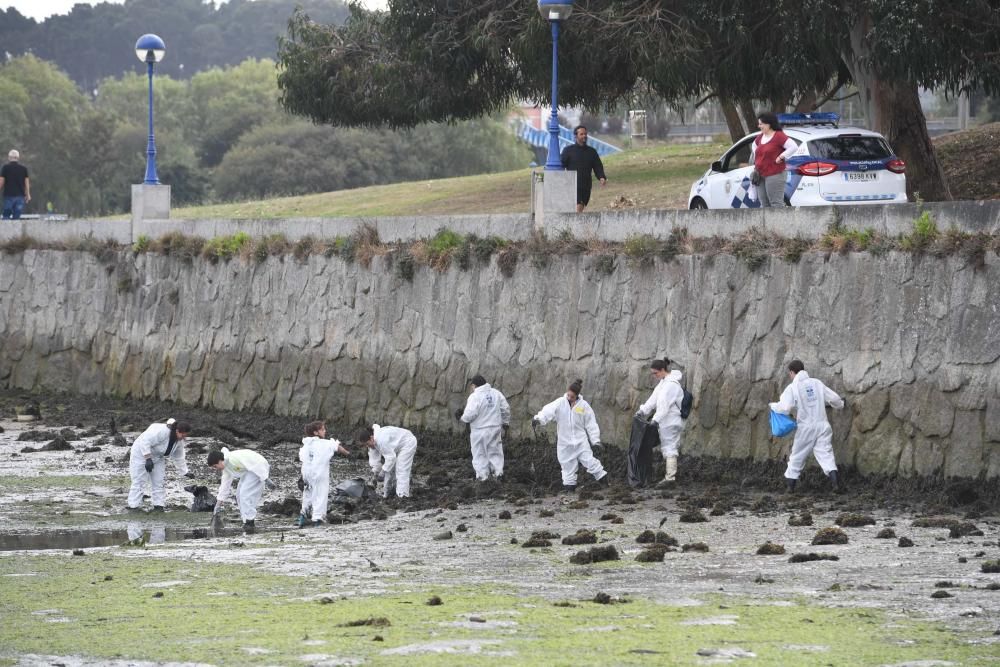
(808,397)
(390,454)
(252,471)
(148,460)
(488,415)
(576,433)
(315,456)
(665,403)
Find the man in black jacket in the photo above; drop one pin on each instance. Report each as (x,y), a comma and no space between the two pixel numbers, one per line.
(15,186)
(583,159)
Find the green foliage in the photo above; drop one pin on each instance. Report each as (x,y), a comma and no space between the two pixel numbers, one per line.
(753,247)
(225,247)
(444,242)
(642,247)
(793,249)
(924,233)
(141,244)
(674,244)
(605,263)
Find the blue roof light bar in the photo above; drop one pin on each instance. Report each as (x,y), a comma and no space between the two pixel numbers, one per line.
(812,118)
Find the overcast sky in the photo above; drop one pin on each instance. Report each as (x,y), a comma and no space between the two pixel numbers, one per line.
(41,9)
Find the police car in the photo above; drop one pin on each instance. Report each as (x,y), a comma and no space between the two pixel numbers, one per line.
(833,165)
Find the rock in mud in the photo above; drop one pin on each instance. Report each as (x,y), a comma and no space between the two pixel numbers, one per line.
(934,522)
(91,450)
(602,598)
(993,586)
(578,505)
(505,515)
(618,519)
(770,549)
(78,552)
(700,547)
(595,555)
(119,440)
(991,566)
(536,543)
(938,595)
(693,516)
(886,534)
(653,553)
(765,504)
(158,594)
(608,517)
(805,558)
(803,519)
(905,542)
(721,507)
(544,535)
(944,584)
(582,536)
(37,436)
(854,520)
(434,601)
(461,528)
(546,513)
(289,506)
(374,621)
(446,535)
(831,535)
(964,529)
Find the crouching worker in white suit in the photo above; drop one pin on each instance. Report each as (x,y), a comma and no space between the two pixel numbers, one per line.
(252,471)
(809,398)
(315,456)
(390,453)
(666,402)
(148,460)
(488,415)
(576,432)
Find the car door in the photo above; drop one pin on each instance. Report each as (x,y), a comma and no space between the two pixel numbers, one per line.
(727,187)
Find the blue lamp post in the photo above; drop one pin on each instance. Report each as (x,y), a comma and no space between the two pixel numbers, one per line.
(555,12)
(150,49)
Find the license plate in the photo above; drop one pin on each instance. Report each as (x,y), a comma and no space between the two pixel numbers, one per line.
(861,175)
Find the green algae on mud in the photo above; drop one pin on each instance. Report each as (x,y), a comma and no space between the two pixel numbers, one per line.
(103,606)
(60,483)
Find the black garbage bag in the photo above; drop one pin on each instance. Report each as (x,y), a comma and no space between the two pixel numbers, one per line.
(351,488)
(204,500)
(645,437)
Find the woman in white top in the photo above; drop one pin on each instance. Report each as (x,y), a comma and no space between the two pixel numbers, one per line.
(666,402)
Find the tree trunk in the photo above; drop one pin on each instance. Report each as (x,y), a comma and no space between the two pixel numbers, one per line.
(893,108)
(736,129)
(748,112)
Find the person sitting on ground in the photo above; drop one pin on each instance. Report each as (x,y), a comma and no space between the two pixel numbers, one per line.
(252,471)
(666,402)
(488,415)
(576,433)
(148,461)
(315,456)
(390,455)
(813,433)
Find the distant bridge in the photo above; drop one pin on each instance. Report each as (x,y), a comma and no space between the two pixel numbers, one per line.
(530,134)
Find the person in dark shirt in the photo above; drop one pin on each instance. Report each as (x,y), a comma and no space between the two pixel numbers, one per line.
(583,159)
(15,186)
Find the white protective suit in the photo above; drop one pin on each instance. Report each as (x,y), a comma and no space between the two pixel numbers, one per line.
(315,456)
(153,441)
(576,431)
(252,470)
(809,398)
(486,412)
(666,402)
(397,446)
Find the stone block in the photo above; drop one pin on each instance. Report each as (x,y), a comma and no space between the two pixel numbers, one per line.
(879,450)
(150,202)
(555,193)
(992,419)
(964,457)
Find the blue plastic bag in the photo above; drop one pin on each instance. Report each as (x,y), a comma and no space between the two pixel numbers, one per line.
(781,425)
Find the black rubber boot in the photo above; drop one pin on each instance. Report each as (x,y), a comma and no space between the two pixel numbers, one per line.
(790,485)
(835,481)
(569,488)
(248,527)
(159,508)
(605,481)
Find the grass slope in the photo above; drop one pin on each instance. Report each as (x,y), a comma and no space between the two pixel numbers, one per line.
(655,177)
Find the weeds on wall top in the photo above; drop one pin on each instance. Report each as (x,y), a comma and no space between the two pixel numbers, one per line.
(469,251)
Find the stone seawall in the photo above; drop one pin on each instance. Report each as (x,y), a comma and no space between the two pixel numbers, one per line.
(912,342)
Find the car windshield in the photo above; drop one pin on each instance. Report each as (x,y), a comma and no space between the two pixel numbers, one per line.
(850,148)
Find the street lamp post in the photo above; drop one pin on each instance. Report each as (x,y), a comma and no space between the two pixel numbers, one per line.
(555,12)
(150,49)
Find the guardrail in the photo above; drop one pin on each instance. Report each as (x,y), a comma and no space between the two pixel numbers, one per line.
(526,132)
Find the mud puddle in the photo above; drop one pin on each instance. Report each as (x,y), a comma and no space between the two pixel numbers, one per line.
(89,539)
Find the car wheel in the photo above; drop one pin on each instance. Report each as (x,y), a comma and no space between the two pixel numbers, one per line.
(698,204)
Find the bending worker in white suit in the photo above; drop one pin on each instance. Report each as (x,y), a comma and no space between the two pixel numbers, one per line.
(390,454)
(315,456)
(666,402)
(576,432)
(488,415)
(809,398)
(148,460)
(252,471)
